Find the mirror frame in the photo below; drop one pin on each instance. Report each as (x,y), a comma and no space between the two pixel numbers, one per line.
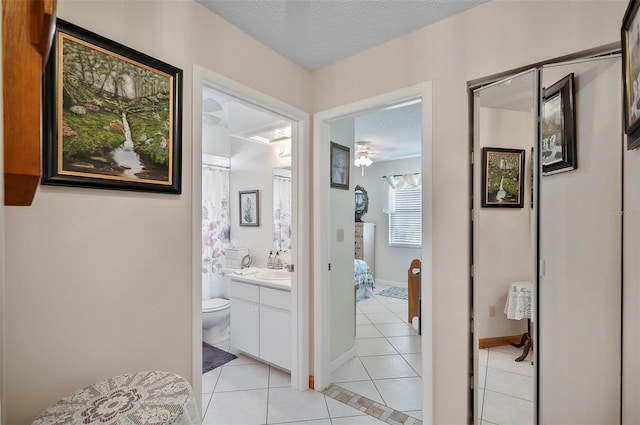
(359,214)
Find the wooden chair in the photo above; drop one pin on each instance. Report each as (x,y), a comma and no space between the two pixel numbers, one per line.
(413,283)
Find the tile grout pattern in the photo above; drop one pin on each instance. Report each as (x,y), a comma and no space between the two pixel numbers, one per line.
(248,392)
(387,366)
(505,387)
(370,407)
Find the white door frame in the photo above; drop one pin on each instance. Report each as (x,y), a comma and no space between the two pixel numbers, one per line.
(301,220)
(321,252)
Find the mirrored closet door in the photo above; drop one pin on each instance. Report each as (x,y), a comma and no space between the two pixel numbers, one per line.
(547,241)
(504,249)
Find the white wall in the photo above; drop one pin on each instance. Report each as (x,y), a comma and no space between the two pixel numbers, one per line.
(503,235)
(580,243)
(216,140)
(494,37)
(99,282)
(252,167)
(77,256)
(342,252)
(392,263)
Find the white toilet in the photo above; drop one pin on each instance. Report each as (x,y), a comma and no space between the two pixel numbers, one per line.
(216,312)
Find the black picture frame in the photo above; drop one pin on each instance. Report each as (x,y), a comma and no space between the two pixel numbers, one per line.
(558,128)
(340,166)
(498,192)
(249,208)
(630,41)
(112,116)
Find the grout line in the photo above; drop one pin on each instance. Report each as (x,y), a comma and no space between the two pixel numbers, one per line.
(372,408)
(266,413)
(508,395)
(509,371)
(327,406)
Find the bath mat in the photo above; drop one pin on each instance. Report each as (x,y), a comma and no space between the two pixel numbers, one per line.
(394,292)
(213,357)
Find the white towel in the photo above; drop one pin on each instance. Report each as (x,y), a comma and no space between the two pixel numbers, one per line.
(248,270)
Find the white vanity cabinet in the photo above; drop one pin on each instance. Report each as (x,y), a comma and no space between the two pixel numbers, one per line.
(261,322)
(245,308)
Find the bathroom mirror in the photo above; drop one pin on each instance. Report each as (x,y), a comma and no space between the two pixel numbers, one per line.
(281,209)
(504,249)
(362,202)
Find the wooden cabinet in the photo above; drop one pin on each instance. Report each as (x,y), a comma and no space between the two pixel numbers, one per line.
(27,29)
(261,322)
(365,249)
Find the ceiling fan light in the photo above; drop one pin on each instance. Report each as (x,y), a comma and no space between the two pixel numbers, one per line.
(362,160)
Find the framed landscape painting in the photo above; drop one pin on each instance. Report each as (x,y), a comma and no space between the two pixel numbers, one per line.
(502,178)
(630,34)
(558,127)
(111,115)
(340,164)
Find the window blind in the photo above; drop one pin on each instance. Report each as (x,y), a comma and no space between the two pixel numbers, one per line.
(405,224)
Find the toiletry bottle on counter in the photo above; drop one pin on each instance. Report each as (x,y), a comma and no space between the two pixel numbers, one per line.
(278,261)
(270,264)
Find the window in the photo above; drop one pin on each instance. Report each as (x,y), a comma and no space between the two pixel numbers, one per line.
(405,223)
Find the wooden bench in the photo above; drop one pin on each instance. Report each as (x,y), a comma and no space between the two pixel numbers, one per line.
(413,283)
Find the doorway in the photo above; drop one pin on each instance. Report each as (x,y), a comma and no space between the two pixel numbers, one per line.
(333,346)
(287,156)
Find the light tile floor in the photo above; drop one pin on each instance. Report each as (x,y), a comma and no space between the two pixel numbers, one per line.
(246,391)
(505,387)
(387,367)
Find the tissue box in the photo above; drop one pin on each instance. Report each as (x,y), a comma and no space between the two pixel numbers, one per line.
(233,257)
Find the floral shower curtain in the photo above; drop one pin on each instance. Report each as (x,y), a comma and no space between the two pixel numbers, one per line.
(215,218)
(281,213)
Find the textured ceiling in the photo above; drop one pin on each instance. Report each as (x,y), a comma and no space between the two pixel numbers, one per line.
(392,133)
(316,33)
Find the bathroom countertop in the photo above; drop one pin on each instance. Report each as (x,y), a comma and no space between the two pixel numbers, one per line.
(252,279)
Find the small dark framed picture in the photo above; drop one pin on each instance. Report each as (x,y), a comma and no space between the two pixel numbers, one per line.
(340,163)
(502,178)
(250,208)
(558,127)
(112,116)
(630,40)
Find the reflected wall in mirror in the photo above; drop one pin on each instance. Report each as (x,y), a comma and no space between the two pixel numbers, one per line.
(504,253)
(362,202)
(281,209)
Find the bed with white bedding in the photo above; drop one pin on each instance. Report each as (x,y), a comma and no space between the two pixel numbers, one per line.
(362,279)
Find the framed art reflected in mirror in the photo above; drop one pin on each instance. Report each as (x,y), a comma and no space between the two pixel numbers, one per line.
(249,204)
(630,34)
(502,177)
(558,128)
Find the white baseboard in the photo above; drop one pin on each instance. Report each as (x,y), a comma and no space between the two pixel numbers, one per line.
(343,358)
(390,283)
